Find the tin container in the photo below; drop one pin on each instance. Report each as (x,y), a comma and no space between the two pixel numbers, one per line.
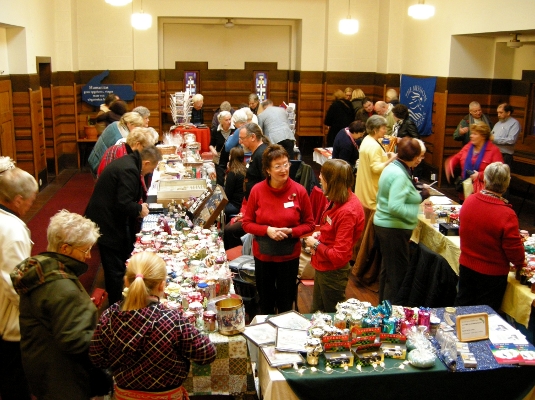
(230,316)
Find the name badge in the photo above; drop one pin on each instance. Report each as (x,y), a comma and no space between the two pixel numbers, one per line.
(288,204)
(329,220)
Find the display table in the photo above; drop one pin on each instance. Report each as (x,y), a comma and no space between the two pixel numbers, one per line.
(518,300)
(229,374)
(489,381)
(321,155)
(202,135)
(448,247)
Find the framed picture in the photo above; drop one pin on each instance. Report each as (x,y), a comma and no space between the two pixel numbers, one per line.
(261,85)
(291,340)
(281,359)
(261,334)
(290,320)
(472,327)
(191,82)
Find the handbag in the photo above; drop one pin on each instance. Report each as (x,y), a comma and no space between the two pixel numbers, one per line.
(216,158)
(459,184)
(270,247)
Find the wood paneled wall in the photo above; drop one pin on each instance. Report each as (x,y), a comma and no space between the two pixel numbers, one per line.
(311,91)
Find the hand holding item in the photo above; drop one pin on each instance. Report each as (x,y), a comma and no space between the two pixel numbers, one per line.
(425,193)
(464,130)
(474,176)
(144,210)
(391,156)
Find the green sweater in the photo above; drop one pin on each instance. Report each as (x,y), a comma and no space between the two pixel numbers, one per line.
(398,201)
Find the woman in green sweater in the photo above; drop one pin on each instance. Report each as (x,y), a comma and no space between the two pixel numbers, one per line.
(396,216)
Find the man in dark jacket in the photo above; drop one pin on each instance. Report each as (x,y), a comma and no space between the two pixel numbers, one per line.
(116,205)
(462,133)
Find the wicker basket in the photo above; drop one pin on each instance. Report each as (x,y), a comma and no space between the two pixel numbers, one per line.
(167,148)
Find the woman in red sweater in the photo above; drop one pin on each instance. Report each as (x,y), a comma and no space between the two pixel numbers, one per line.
(474,157)
(278,213)
(342,224)
(490,240)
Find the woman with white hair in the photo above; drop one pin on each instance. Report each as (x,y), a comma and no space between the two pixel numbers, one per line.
(218,139)
(197,115)
(111,135)
(490,241)
(239,118)
(57,316)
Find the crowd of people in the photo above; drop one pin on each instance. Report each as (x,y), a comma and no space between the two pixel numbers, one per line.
(51,341)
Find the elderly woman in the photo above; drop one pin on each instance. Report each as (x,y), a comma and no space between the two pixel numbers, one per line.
(197,114)
(488,245)
(57,316)
(342,223)
(339,115)
(137,139)
(373,158)
(396,216)
(18,190)
(254,102)
(111,135)
(239,118)
(218,139)
(132,336)
(404,125)
(278,213)
(474,157)
(346,143)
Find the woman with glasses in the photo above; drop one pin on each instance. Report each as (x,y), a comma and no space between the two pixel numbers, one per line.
(57,316)
(342,224)
(278,213)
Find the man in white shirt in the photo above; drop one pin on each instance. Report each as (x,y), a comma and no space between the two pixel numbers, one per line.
(505,132)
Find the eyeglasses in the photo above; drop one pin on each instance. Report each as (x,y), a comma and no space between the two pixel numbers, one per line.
(278,167)
(86,252)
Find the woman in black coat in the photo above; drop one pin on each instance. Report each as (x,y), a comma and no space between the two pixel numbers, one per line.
(404,125)
(339,115)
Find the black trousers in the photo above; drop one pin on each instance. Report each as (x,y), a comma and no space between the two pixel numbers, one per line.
(394,245)
(330,289)
(476,288)
(13,383)
(276,284)
(289,147)
(113,263)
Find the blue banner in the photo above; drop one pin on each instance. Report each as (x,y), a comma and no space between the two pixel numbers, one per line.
(418,94)
(95,92)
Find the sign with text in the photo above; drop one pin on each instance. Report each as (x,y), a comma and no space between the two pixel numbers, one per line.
(94,92)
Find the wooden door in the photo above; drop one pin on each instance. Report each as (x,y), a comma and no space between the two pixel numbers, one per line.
(7,133)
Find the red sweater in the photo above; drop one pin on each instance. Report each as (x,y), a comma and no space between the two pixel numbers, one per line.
(489,233)
(266,207)
(341,227)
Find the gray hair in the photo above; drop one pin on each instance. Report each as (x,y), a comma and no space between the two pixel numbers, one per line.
(239,116)
(254,97)
(144,136)
(374,123)
(16,182)
(152,154)
(497,177)
(197,97)
(247,112)
(143,111)
(222,115)
(225,106)
(266,103)
(72,229)
(473,104)
(392,94)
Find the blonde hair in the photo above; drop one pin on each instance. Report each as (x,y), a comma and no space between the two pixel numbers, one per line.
(144,136)
(132,118)
(72,229)
(338,95)
(357,94)
(145,271)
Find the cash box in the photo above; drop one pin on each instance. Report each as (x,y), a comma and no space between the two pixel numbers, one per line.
(448,229)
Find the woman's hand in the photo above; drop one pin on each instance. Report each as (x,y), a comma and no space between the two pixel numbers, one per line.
(474,176)
(276,233)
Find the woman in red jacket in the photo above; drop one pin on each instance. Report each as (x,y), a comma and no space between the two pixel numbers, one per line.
(342,224)
(278,213)
(474,157)
(490,240)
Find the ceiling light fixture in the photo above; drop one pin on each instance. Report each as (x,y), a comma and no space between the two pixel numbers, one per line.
(140,20)
(348,26)
(514,43)
(118,3)
(229,24)
(421,10)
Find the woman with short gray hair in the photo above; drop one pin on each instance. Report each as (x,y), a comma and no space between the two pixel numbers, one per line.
(490,241)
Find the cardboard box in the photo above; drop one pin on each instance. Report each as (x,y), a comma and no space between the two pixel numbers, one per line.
(393,350)
(369,357)
(340,358)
